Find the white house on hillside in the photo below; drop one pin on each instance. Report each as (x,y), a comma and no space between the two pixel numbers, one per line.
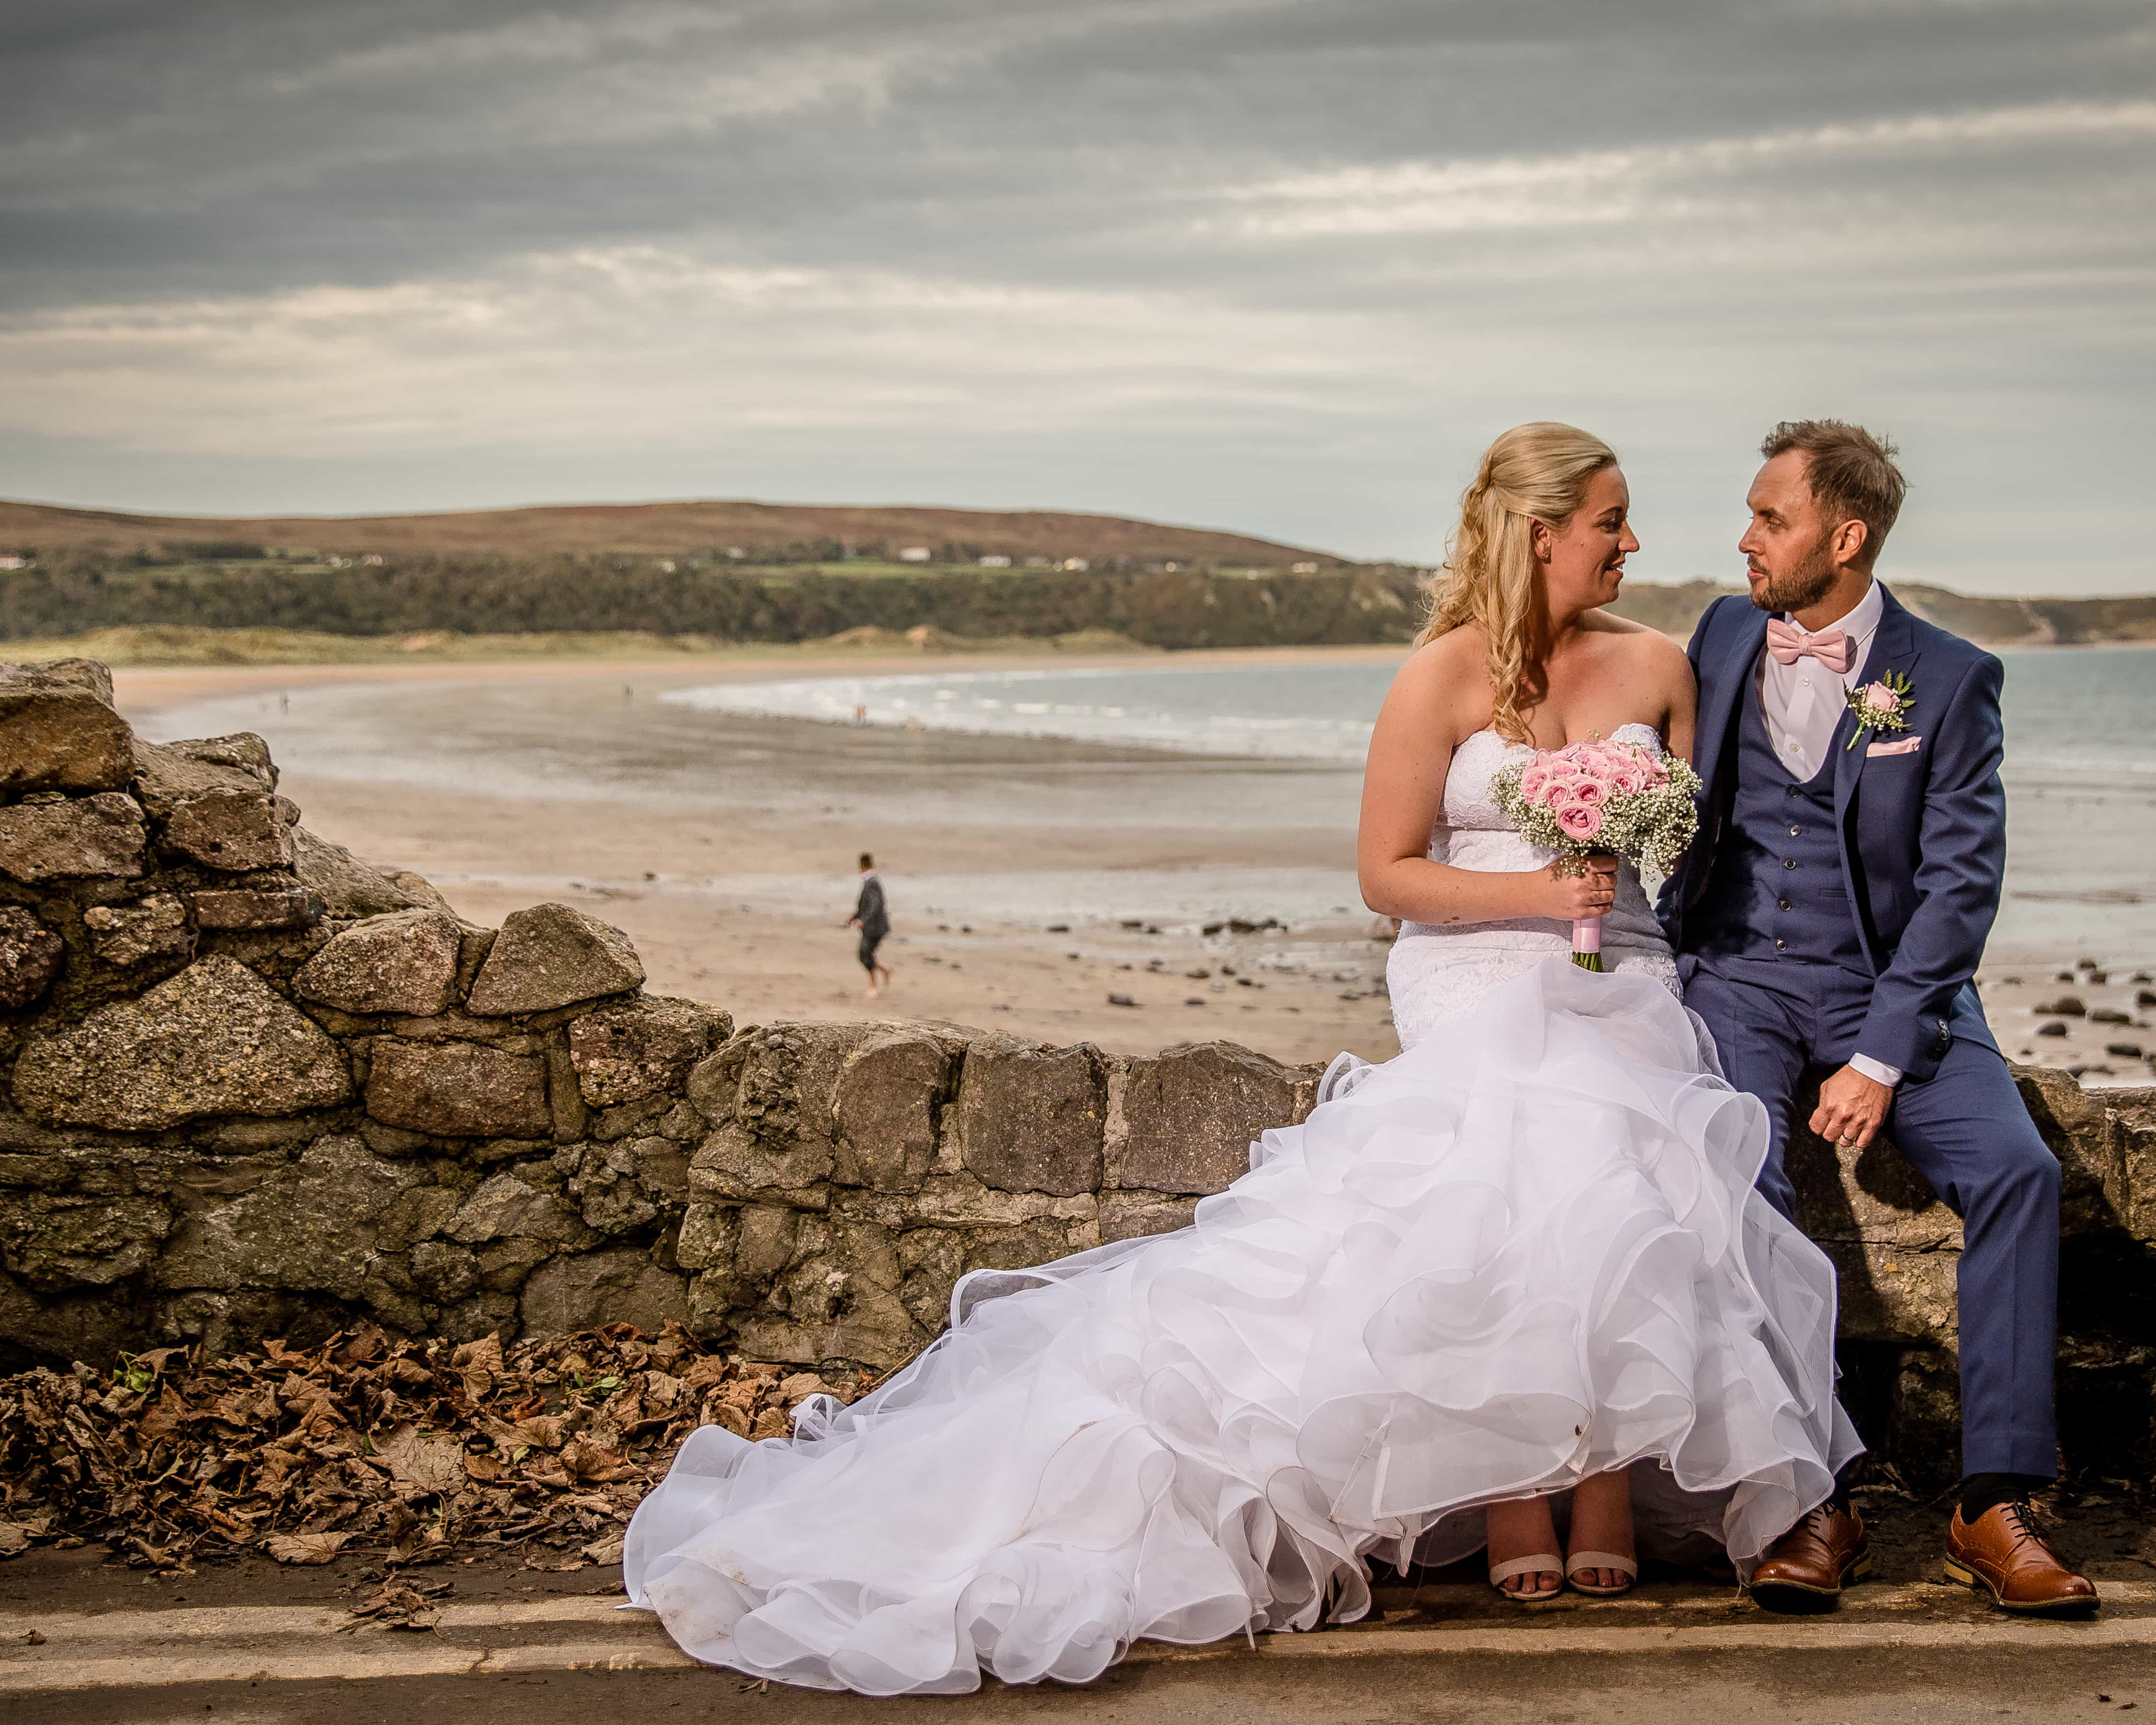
(995,563)
(914,554)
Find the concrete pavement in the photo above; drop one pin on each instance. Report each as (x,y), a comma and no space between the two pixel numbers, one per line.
(1674,1650)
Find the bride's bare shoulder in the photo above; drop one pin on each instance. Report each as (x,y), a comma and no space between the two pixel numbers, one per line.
(1454,658)
(1643,645)
(1440,685)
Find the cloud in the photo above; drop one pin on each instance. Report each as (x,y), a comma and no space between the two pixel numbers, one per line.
(1253,262)
(1611,186)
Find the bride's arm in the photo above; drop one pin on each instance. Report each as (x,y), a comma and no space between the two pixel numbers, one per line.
(1411,749)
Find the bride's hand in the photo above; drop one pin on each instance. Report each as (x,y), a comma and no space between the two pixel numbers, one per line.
(1570,897)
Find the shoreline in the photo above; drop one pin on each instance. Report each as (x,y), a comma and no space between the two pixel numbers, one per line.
(1031,877)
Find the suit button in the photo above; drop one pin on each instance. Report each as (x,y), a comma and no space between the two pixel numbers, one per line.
(1792,790)
(1783,902)
(1781,946)
(1789,862)
(1796,832)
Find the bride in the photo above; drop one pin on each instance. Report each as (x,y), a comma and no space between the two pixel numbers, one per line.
(1518,1269)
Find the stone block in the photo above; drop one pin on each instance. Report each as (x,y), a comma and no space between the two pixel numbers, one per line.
(31,958)
(2091,1132)
(1184,1121)
(778,1127)
(445,1273)
(56,1241)
(152,930)
(838,1297)
(1031,1119)
(764,1241)
(234,831)
(272,903)
(458,1090)
(94,838)
(623,1286)
(735,1163)
(551,956)
(1892,1294)
(571,1118)
(506,1206)
(933,1259)
(961,1201)
(347,886)
(640,1047)
(889,1095)
(405,962)
(58,730)
(1125,1216)
(315,1224)
(1872,1196)
(166,774)
(213,1040)
(715,1082)
(709,1232)
(622,1187)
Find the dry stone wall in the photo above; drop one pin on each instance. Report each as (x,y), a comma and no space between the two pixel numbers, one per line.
(252,1086)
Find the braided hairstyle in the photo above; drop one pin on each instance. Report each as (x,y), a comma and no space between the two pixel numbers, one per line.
(1537,472)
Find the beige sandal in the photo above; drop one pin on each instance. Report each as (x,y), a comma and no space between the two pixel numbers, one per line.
(1628,1568)
(1542,1562)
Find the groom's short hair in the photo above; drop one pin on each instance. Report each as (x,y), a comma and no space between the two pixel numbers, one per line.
(1852,473)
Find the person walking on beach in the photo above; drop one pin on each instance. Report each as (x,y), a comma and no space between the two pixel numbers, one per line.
(873,922)
(1853,848)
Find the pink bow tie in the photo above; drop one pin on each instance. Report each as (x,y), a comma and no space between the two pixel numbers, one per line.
(1788,644)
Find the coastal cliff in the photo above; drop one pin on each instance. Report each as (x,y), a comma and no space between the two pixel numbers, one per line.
(257,1088)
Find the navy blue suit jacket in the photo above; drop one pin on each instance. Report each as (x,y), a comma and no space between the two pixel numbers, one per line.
(1923,833)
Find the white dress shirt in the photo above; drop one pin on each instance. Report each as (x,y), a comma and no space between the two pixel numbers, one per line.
(1803,703)
(1803,700)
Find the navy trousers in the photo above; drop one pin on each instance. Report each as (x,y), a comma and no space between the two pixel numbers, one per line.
(1966,1131)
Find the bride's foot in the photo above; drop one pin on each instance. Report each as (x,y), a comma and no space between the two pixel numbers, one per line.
(1602,1560)
(1521,1532)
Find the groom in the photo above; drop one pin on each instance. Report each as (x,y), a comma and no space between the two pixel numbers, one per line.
(1852,842)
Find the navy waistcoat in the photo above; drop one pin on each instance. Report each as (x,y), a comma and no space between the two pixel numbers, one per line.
(1776,891)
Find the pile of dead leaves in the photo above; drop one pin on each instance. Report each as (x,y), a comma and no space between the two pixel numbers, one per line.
(404,1450)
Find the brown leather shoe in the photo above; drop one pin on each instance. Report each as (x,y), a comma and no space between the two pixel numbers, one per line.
(2005,1555)
(1814,1561)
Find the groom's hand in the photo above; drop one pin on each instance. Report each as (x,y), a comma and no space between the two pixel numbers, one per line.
(1851,1108)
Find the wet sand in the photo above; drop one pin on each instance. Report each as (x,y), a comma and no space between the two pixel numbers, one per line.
(724,847)
(1031,879)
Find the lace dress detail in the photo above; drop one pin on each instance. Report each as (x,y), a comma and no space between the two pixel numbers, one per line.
(1436,975)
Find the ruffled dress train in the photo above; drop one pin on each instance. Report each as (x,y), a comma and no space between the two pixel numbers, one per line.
(1526,1250)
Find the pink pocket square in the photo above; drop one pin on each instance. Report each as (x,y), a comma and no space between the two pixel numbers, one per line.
(1907,745)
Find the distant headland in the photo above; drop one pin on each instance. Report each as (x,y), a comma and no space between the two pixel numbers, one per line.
(747,572)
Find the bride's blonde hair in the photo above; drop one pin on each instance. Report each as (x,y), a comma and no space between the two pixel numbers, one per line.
(1537,472)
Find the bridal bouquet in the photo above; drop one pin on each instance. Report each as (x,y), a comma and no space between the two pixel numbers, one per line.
(1602,798)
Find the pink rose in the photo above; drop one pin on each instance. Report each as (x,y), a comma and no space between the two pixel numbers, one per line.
(1534,781)
(1590,792)
(1627,781)
(1579,821)
(1881,699)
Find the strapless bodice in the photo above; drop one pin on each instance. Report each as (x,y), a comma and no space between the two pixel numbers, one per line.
(1437,972)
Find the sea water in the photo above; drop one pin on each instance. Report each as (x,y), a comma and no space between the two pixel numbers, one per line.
(2080,768)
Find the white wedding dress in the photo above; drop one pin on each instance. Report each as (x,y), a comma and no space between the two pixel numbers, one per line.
(1526,1250)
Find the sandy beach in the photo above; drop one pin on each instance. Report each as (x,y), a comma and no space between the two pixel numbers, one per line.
(1013,865)
(1031,879)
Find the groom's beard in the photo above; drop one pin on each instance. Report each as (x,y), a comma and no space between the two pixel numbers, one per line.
(1795,589)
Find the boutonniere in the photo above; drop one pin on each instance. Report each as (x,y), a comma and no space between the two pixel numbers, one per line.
(1882,705)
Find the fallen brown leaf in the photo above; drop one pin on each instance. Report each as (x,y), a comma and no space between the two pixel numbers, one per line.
(306,1547)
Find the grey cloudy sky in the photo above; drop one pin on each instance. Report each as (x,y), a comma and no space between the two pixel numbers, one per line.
(1282,266)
